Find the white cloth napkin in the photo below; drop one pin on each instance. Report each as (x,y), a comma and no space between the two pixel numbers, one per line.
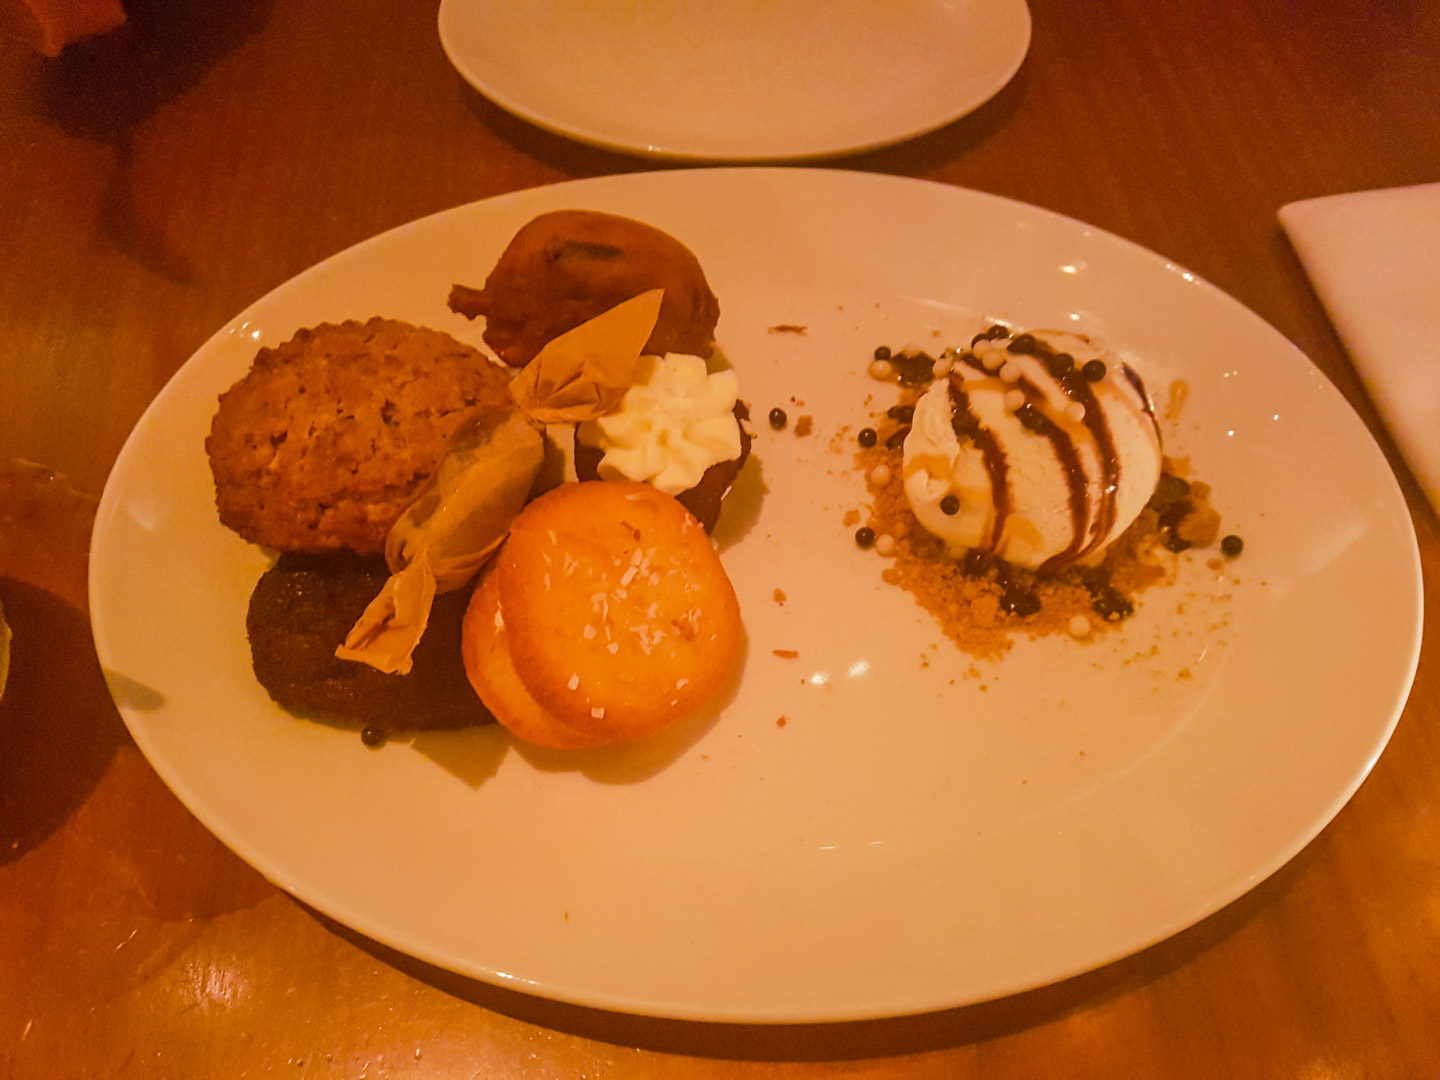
(1374,259)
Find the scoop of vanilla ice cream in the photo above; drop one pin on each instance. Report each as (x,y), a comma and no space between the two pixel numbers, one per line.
(674,422)
(1042,469)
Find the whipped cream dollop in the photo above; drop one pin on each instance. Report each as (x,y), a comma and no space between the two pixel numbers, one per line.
(1024,452)
(674,422)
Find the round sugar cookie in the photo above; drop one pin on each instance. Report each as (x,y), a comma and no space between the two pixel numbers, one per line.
(618,613)
(484,648)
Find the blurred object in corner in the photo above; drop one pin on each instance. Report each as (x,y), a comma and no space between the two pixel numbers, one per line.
(49,25)
(45,530)
(4,650)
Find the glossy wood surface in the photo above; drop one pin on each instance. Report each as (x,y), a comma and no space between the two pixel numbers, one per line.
(155,182)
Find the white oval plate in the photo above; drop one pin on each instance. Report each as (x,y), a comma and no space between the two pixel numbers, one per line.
(737,80)
(921,832)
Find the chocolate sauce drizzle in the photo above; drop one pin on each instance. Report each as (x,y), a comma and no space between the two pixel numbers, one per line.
(1076,388)
(967,425)
(1145,404)
(1034,420)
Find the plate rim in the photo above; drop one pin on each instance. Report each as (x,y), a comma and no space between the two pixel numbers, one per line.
(737,151)
(658,1009)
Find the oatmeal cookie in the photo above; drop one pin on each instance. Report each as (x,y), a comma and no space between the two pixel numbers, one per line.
(325,442)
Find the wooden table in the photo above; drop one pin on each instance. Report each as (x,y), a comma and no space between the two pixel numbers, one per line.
(154,183)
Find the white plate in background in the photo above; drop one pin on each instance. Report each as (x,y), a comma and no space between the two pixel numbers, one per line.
(737,79)
(922,831)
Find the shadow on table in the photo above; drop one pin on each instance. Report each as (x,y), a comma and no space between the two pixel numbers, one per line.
(59,728)
(860,1039)
(102,89)
(914,157)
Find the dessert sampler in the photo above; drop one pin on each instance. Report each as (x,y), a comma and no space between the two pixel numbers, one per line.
(1019,484)
(457,542)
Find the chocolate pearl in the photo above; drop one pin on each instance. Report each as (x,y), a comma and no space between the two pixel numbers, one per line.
(950,505)
(1175,513)
(868,437)
(1094,370)
(1231,546)
(1030,418)
(372,736)
(778,419)
(864,536)
(1019,602)
(882,352)
(1111,604)
(1168,490)
(915,369)
(975,564)
(1060,365)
